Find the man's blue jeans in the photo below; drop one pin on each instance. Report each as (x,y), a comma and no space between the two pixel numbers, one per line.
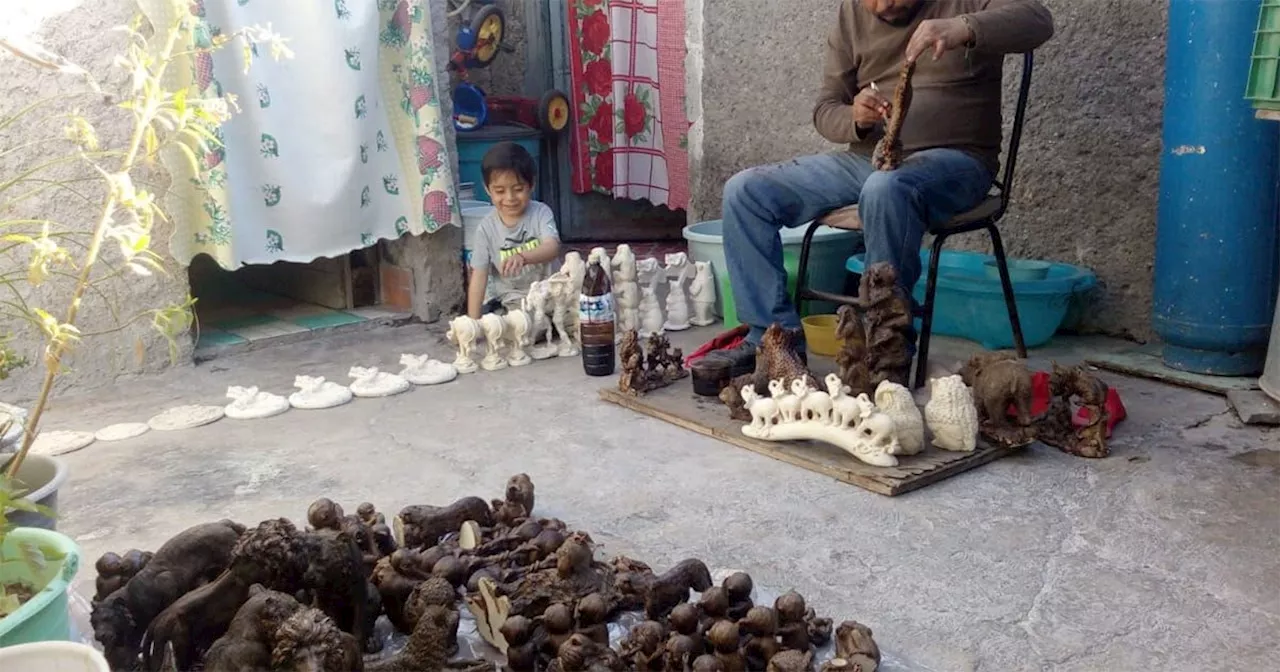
(896,207)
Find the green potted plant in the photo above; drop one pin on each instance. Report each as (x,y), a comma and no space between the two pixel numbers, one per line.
(36,567)
(62,265)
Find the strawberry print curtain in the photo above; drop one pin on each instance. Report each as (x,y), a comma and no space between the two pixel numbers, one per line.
(332,150)
(627,77)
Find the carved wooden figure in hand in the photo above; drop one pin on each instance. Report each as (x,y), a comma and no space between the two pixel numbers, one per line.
(872,438)
(951,415)
(1000,380)
(1075,384)
(494,333)
(851,360)
(463,333)
(702,291)
(887,314)
(888,152)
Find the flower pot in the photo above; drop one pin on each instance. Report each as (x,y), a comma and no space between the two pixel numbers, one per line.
(44,617)
(12,438)
(53,657)
(40,476)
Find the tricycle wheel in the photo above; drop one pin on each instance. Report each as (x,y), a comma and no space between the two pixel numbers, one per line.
(488,27)
(554,112)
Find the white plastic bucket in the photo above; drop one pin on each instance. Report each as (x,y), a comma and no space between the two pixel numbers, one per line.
(53,657)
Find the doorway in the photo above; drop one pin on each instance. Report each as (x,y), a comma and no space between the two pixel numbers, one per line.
(288,301)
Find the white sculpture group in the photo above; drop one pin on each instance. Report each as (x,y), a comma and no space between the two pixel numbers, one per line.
(691,293)
(875,432)
(505,338)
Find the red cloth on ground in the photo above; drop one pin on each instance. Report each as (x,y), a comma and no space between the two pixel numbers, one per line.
(1040,395)
(729,339)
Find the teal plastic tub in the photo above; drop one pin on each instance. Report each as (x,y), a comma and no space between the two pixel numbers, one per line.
(472,146)
(43,618)
(827,255)
(970,305)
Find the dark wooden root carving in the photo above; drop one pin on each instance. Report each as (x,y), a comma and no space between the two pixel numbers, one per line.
(776,358)
(888,152)
(1068,385)
(887,314)
(1000,380)
(646,368)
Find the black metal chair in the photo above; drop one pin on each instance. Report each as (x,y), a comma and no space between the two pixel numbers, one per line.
(984,216)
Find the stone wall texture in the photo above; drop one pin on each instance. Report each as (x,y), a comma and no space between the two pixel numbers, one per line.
(1087,172)
(81,31)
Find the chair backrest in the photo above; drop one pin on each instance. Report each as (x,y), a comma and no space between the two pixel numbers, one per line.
(1015,138)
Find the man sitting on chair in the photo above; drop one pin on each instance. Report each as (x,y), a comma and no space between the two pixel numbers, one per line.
(950,137)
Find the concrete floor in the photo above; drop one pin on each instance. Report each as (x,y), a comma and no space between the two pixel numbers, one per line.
(1164,556)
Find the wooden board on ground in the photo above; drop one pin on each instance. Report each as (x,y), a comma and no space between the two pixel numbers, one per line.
(1146,363)
(678,405)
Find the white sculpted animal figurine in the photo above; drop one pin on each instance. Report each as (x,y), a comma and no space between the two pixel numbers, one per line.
(815,405)
(871,439)
(951,415)
(895,401)
(494,330)
(249,403)
(602,255)
(650,313)
(844,410)
(677,293)
(702,291)
(463,333)
(764,411)
(314,392)
(539,304)
(649,273)
(422,370)
(519,324)
(788,404)
(626,289)
(371,382)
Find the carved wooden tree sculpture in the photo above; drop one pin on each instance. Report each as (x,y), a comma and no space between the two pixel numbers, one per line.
(888,318)
(1068,384)
(888,152)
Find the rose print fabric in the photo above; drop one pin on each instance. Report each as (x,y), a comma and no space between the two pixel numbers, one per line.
(628,87)
(331,150)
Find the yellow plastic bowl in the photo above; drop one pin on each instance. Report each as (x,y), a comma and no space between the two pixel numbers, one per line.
(820,334)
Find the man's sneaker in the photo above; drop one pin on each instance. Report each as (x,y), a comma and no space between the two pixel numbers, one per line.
(742,358)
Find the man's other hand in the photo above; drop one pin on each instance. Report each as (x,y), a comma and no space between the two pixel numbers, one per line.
(939,35)
(869,107)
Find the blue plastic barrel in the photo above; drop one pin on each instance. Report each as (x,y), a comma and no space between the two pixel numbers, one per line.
(472,146)
(1216,234)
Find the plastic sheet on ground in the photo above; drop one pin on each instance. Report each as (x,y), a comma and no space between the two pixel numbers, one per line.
(472,646)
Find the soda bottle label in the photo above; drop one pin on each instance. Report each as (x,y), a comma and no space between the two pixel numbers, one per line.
(595,309)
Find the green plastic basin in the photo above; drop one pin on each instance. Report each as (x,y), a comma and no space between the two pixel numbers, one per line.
(43,618)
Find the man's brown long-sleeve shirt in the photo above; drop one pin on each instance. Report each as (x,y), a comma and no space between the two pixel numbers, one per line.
(955,100)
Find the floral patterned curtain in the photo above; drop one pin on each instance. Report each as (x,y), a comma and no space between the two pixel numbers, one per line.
(331,150)
(627,77)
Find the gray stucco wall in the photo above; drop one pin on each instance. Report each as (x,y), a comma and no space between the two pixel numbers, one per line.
(82,33)
(1085,189)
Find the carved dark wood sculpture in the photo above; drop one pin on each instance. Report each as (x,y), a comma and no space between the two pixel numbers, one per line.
(775,358)
(888,151)
(1000,380)
(851,361)
(649,367)
(1070,386)
(887,314)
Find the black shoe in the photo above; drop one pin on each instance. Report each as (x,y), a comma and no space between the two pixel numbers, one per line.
(742,358)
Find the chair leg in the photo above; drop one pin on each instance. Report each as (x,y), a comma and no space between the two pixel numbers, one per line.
(926,326)
(1007,285)
(802,272)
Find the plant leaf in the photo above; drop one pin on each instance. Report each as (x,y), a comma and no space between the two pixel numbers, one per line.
(33,556)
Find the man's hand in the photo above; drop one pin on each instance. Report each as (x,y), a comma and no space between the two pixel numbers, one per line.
(869,107)
(513,265)
(940,35)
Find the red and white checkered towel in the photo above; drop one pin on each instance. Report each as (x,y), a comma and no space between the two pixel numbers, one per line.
(627,60)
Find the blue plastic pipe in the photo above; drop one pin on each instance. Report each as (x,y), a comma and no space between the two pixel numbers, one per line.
(1217,242)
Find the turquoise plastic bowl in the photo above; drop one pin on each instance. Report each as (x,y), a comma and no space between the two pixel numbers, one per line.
(969,304)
